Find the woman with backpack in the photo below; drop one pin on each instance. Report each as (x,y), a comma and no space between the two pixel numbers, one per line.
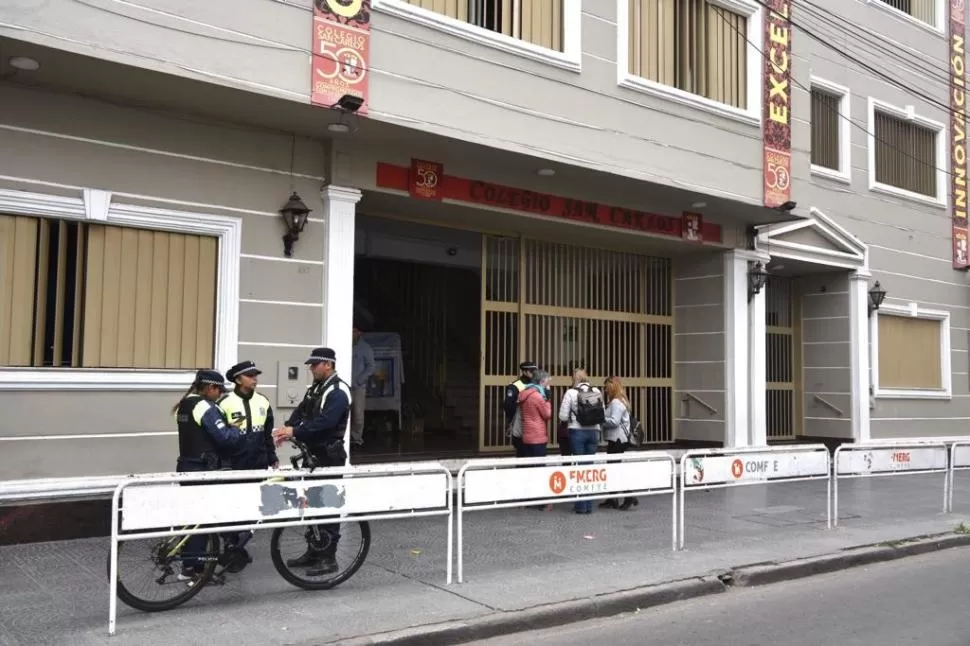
(617,429)
(535,411)
(583,411)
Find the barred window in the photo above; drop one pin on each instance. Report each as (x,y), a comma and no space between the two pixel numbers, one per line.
(539,22)
(692,45)
(826,130)
(922,10)
(905,154)
(80,295)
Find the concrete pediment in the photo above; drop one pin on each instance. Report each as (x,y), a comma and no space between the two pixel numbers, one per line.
(816,239)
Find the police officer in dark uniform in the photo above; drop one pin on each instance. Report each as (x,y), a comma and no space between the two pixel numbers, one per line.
(206,442)
(320,422)
(511,403)
(252,414)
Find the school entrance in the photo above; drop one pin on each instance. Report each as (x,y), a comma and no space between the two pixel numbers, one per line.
(568,307)
(451,313)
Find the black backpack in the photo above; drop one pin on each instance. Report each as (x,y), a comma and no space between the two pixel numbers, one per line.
(590,410)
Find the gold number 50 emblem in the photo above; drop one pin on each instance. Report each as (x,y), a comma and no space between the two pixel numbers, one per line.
(345,10)
(427,178)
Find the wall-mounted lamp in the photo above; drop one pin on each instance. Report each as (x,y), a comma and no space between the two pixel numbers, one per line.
(876,296)
(757,277)
(294,214)
(787,207)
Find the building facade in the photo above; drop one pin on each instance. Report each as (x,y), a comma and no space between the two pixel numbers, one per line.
(583,183)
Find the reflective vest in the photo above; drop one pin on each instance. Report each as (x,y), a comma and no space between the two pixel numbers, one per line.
(248,414)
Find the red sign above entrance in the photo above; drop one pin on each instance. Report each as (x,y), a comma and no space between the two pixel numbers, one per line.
(526,201)
(424,181)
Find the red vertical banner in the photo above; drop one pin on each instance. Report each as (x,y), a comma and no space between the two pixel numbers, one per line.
(424,179)
(692,229)
(777,103)
(958,132)
(341,51)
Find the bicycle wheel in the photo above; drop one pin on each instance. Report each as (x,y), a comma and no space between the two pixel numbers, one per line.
(290,543)
(161,572)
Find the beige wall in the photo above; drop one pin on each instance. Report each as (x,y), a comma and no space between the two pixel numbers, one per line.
(825,354)
(178,164)
(699,346)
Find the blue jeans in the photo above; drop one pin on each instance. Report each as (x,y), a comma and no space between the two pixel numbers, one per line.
(533,450)
(584,443)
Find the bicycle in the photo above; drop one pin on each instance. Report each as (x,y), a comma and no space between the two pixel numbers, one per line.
(223,555)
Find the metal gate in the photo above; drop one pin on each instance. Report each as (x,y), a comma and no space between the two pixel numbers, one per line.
(568,307)
(781,353)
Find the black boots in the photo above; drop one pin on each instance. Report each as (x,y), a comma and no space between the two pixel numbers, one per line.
(317,562)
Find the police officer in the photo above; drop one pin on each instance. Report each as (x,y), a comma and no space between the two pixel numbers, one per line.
(252,414)
(320,422)
(206,442)
(511,403)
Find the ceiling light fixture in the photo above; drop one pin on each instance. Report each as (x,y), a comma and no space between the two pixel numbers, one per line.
(546,172)
(698,205)
(339,127)
(24,63)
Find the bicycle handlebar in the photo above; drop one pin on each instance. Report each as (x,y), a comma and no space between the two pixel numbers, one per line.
(305,460)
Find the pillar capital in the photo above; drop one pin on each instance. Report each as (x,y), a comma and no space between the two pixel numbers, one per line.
(345,194)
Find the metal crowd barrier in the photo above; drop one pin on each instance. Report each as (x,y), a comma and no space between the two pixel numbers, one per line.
(502,483)
(722,468)
(155,506)
(959,461)
(877,459)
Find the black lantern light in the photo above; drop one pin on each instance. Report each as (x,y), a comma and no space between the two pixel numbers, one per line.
(876,296)
(757,277)
(294,214)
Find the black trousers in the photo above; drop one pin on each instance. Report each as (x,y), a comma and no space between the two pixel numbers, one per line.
(615,447)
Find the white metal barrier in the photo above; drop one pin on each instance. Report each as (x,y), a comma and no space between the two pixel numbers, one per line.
(876,459)
(722,468)
(959,461)
(156,506)
(502,483)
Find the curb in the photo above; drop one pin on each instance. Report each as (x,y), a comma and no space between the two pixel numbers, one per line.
(766,573)
(614,603)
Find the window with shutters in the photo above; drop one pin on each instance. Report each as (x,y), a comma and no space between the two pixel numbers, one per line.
(906,154)
(911,357)
(831,130)
(76,294)
(928,12)
(547,30)
(695,51)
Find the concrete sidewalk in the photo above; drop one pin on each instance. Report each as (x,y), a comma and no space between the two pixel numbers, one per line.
(56,593)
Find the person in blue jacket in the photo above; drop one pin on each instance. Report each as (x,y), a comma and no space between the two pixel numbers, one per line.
(206,443)
(320,422)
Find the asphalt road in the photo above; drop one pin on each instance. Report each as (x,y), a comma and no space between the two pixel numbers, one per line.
(917,600)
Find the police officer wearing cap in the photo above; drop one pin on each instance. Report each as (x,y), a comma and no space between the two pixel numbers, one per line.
(252,414)
(511,403)
(206,442)
(320,422)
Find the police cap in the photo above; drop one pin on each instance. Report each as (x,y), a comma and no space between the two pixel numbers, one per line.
(210,378)
(243,368)
(321,354)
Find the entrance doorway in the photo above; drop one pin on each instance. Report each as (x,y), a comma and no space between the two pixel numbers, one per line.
(783,372)
(566,307)
(416,299)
